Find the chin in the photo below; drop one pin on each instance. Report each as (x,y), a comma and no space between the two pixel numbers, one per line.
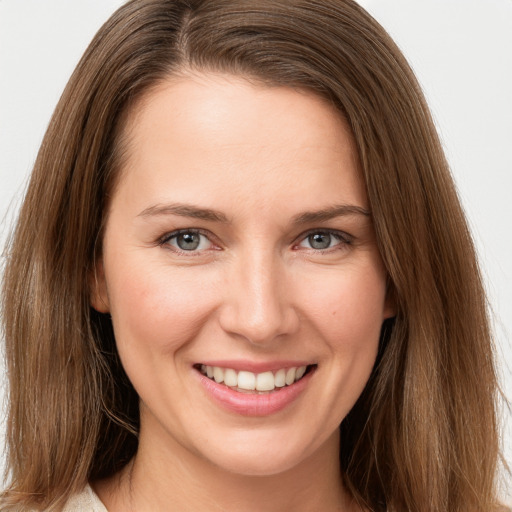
(264,455)
(257,464)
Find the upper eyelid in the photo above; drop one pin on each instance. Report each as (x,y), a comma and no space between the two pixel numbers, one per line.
(343,235)
(171,234)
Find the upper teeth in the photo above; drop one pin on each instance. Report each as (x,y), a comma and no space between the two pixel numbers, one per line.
(266,381)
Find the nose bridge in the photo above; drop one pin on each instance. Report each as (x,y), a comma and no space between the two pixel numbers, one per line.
(258,307)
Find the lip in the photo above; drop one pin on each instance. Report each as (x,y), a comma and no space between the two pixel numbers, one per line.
(253,404)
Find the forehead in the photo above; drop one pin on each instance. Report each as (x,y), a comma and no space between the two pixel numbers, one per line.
(214,133)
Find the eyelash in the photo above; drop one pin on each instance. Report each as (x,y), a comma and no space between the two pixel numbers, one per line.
(164,241)
(342,238)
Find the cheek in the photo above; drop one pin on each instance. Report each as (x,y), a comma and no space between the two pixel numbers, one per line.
(347,314)
(157,311)
(349,307)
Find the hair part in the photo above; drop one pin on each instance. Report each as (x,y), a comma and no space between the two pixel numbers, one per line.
(423,436)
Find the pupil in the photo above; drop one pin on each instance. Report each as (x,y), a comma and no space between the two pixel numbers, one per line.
(188,241)
(320,240)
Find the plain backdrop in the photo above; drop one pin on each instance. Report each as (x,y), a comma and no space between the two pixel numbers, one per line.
(461,51)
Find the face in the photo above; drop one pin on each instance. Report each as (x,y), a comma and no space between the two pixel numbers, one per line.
(241,273)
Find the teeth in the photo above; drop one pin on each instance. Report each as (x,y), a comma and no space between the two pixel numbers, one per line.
(280,378)
(265,381)
(290,376)
(218,374)
(230,378)
(301,370)
(248,381)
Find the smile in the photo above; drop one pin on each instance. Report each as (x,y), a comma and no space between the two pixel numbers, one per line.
(258,393)
(246,381)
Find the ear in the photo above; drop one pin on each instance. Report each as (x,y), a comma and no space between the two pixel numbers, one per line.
(98,286)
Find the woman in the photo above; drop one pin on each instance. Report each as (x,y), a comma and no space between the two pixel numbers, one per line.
(240,233)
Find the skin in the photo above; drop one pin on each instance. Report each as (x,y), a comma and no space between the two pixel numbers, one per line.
(255,289)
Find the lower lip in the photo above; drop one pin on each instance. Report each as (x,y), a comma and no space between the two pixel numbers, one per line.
(254,404)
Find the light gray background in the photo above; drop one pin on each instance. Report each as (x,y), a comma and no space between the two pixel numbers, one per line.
(461,51)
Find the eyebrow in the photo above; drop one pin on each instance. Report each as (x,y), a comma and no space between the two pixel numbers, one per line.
(184,210)
(208,214)
(330,213)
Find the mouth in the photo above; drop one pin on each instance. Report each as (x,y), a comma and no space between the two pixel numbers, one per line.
(255,383)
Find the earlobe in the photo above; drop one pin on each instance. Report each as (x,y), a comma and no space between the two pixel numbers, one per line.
(98,286)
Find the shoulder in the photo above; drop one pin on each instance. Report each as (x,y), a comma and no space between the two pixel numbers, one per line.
(86,500)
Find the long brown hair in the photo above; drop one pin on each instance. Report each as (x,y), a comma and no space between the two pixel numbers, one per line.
(423,436)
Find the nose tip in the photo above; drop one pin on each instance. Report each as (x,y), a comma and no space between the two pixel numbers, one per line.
(258,306)
(259,322)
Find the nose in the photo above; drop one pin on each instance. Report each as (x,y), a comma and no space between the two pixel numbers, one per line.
(257,303)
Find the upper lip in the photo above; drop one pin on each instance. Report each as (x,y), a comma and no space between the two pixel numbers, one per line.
(254,366)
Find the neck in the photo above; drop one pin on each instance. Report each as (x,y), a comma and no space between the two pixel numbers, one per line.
(160,477)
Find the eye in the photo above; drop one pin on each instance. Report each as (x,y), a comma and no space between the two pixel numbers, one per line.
(188,240)
(322,240)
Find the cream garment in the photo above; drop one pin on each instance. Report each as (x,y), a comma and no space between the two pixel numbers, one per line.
(86,501)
